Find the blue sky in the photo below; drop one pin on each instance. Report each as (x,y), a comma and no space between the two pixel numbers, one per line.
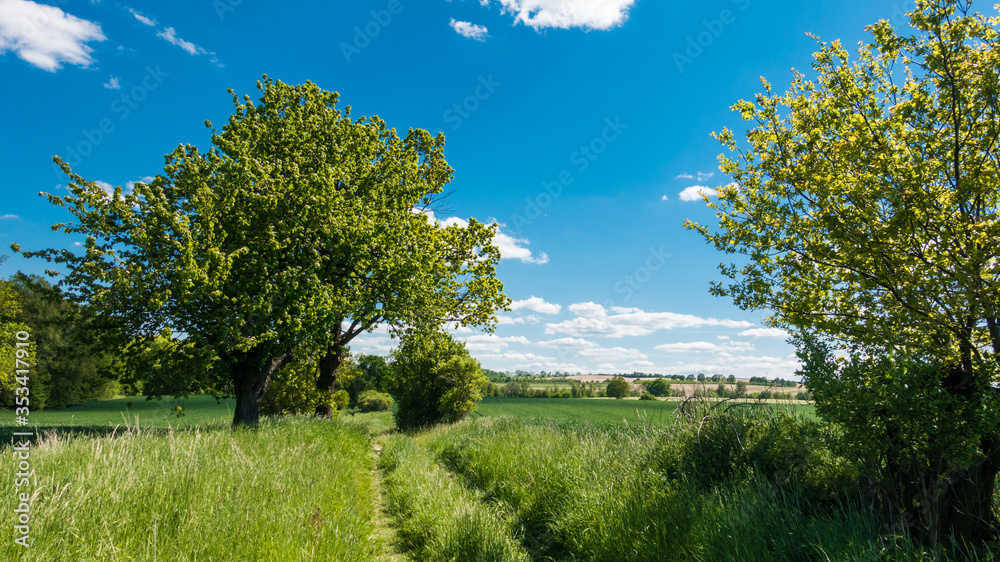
(581,126)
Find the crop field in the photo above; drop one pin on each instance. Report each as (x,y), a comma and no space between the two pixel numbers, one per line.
(602,410)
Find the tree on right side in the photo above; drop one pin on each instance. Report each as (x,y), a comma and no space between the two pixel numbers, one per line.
(866,207)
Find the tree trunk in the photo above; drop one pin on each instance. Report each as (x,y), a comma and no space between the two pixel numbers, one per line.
(251,374)
(327,378)
(946,502)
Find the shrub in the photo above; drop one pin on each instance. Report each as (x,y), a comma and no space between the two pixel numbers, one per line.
(617,388)
(647,396)
(659,387)
(434,380)
(374,401)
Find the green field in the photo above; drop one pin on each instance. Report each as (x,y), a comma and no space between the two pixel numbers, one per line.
(525,479)
(601,410)
(196,410)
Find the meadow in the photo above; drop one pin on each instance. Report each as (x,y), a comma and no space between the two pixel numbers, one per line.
(523,479)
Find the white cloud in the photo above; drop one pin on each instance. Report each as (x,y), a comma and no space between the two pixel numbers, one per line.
(470,30)
(8,217)
(612,354)
(593,320)
(566,14)
(171,36)
(664,198)
(696,193)
(142,18)
(699,176)
(537,304)
(492,343)
(563,343)
(45,36)
(511,249)
(764,333)
(699,346)
(113,84)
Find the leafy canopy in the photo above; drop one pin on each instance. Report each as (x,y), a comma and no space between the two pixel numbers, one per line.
(867,200)
(299,218)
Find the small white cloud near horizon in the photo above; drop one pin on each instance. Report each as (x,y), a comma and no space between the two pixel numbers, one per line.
(45,36)
(113,84)
(567,14)
(593,320)
(536,304)
(567,343)
(470,30)
(697,176)
(696,193)
(764,333)
(699,346)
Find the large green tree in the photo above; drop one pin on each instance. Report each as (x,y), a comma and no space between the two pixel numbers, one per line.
(300,228)
(866,203)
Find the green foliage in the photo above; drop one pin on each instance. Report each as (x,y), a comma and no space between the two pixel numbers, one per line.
(341,399)
(366,373)
(75,357)
(434,380)
(374,401)
(617,387)
(293,391)
(867,206)
(659,387)
(272,241)
(648,396)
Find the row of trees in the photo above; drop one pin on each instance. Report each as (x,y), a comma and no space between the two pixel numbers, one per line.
(71,359)
(299,230)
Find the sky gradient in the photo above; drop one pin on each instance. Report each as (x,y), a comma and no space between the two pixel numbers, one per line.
(581,126)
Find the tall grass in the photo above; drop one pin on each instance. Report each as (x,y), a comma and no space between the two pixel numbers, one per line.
(296,489)
(436,516)
(588,492)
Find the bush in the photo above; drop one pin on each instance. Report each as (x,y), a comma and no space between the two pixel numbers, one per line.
(725,446)
(434,380)
(617,388)
(659,387)
(647,396)
(374,401)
